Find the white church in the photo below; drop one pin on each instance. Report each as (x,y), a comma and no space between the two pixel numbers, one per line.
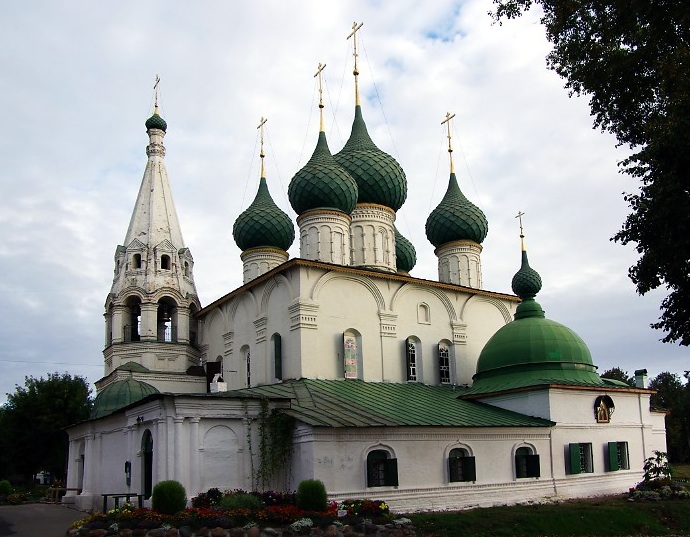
(341,366)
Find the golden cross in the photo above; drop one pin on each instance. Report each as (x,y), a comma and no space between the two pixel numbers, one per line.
(155,89)
(318,74)
(262,122)
(353,35)
(519,216)
(449,116)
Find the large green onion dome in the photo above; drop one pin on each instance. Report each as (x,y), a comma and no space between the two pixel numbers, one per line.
(405,254)
(533,350)
(456,218)
(263,223)
(156,122)
(120,394)
(322,183)
(380,179)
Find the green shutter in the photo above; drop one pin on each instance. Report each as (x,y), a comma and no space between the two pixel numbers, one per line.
(469,469)
(574,451)
(390,469)
(533,469)
(613,456)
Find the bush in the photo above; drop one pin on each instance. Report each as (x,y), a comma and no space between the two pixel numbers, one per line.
(168,497)
(5,487)
(311,495)
(207,499)
(241,500)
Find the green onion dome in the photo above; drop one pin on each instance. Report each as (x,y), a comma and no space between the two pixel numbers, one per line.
(532,349)
(380,179)
(263,223)
(156,122)
(456,218)
(322,183)
(120,394)
(405,254)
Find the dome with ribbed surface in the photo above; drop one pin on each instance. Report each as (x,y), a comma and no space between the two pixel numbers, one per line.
(532,349)
(156,122)
(405,254)
(322,183)
(456,218)
(380,179)
(263,223)
(120,394)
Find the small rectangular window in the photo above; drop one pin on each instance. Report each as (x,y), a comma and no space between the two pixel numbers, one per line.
(618,456)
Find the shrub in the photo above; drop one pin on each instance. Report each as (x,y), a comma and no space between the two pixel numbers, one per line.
(241,500)
(5,487)
(207,499)
(168,497)
(656,467)
(17,498)
(311,495)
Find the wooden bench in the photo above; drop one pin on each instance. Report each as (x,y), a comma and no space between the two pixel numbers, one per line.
(54,493)
(118,497)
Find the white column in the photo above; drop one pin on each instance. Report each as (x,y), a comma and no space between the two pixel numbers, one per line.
(194,469)
(179,451)
(160,451)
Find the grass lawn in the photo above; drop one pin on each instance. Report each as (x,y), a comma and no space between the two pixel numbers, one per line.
(609,516)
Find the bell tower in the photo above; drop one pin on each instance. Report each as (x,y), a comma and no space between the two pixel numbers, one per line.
(149,312)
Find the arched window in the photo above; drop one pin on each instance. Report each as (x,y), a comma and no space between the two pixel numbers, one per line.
(132,326)
(526,463)
(147,463)
(165,262)
(186,268)
(412,359)
(277,356)
(382,470)
(136,261)
(246,353)
(167,320)
(352,354)
(444,363)
(461,465)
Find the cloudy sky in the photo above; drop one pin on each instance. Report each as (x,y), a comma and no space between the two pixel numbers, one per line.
(76,87)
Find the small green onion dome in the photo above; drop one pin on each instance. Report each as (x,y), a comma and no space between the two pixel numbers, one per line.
(156,122)
(532,349)
(456,218)
(322,183)
(120,394)
(405,254)
(263,223)
(380,179)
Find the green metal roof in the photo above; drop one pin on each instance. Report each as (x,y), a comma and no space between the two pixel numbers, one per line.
(156,122)
(456,218)
(380,179)
(120,394)
(405,254)
(527,281)
(133,366)
(263,223)
(322,183)
(355,403)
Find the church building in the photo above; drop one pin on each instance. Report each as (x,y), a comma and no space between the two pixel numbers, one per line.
(339,365)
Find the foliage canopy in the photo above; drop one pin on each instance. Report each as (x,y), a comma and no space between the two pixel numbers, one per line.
(631,58)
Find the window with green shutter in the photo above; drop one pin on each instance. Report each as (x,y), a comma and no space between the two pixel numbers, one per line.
(526,463)
(618,457)
(580,458)
(382,470)
(461,466)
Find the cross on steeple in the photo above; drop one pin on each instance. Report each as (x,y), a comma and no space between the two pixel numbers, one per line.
(262,122)
(318,74)
(519,216)
(449,116)
(353,35)
(155,89)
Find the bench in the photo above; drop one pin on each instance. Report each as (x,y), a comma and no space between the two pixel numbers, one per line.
(118,497)
(53,494)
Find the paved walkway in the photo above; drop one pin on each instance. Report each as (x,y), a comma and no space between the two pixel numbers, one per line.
(37,519)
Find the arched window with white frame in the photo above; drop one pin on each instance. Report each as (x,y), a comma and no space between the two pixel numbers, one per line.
(461,465)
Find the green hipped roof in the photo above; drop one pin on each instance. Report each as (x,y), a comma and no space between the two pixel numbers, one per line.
(120,394)
(456,218)
(380,179)
(156,122)
(263,223)
(405,254)
(355,403)
(322,183)
(532,350)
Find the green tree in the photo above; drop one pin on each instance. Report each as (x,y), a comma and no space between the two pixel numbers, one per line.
(631,57)
(672,395)
(616,373)
(33,423)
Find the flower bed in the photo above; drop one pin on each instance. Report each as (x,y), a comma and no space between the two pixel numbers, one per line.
(278,516)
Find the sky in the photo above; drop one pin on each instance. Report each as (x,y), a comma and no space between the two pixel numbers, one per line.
(76,87)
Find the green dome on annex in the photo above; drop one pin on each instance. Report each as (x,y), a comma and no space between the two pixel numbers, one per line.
(263,223)
(120,394)
(156,122)
(533,350)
